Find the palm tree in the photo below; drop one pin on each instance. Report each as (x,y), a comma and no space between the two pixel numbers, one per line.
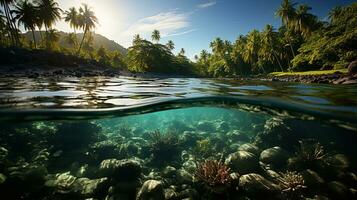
(170,45)
(71,39)
(304,21)
(24,13)
(49,12)
(335,13)
(156,36)
(87,20)
(52,38)
(3,29)
(182,52)
(204,55)
(136,39)
(287,13)
(71,17)
(217,46)
(269,45)
(10,22)
(252,48)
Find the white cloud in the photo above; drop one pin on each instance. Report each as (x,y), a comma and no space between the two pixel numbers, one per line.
(167,23)
(181,33)
(206,5)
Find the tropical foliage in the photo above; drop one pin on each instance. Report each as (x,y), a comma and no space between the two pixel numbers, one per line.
(302,43)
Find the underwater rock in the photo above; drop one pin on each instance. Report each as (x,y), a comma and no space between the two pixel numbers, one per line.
(339,161)
(276,133)
(169,172)
(190,166)
(105,149)
(151,189)
(255,185)
(250,148)
(27,174)
(312,179)
(3,153)
(338,190)
(275,156)
(90,188)
(2,178)
(61,181)
(190,138)
(83,187)
(206,126)
(237,136)
(170,194)
(124,170)
(222,126)
(188,194)
(183,177)
(242,162)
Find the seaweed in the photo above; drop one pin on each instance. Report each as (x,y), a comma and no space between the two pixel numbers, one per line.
(310,154)
(292,185)
(164,148)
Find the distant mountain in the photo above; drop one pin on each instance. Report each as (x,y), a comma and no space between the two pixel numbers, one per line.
(98,41)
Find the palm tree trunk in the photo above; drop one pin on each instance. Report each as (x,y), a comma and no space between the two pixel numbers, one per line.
(14,28)
(277,59)
(9,25)
(291,47)
(34,38)
(80,46)
(75,38)
(41,36)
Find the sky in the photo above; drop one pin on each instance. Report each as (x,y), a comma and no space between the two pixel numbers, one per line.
(191,24)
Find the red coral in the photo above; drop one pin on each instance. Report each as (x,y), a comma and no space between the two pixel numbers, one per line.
(213,173)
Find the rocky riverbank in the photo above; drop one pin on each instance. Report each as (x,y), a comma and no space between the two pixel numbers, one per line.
(337,78)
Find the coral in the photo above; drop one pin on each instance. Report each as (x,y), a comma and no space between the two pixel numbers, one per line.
(213,174)
(125,131)
(292,184)
(310,154)
(163,147)
(203,149)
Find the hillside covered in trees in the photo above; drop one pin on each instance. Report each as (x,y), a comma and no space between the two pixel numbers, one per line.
(303,42)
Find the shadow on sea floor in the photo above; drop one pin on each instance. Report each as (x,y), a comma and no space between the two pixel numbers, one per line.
(188,153)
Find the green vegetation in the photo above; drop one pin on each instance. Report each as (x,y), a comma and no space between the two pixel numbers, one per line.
(302,43)
(309,73)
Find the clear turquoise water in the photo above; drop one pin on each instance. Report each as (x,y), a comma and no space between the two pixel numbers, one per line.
(54,126)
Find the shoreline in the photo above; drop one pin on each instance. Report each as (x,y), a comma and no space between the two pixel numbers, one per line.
(47,71)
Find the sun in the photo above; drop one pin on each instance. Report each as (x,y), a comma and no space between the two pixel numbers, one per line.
(108,12)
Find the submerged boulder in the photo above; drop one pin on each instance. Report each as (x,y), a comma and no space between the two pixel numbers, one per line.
(352,68)
(275,156)
(237,136)
(255,185)
(151,189)
(2,178)
(67,184)
(243,162)
(206,126)
(124,170)
(338,190)
(312,179)
(250,148)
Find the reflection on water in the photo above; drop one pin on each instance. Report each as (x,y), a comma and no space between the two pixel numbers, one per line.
(100,92)
(339,102)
